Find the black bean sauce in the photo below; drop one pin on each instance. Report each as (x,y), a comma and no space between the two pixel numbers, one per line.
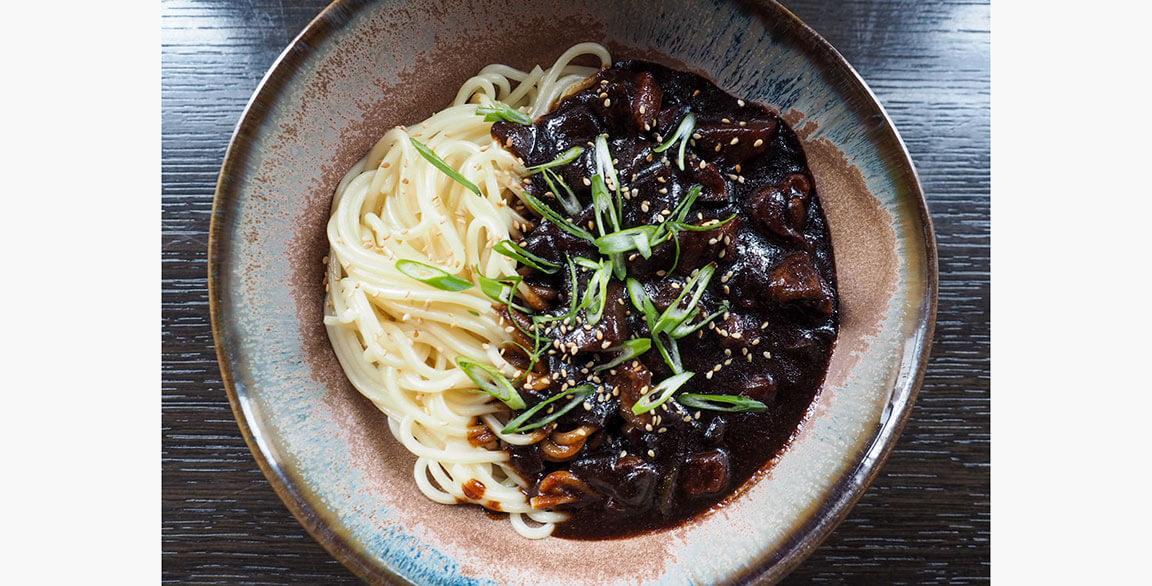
(618,473)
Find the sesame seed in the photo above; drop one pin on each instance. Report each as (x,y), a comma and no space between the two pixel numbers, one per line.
(763,325)
(587,406)
(663,190)
(717,148)
(623,453)
(735,140)
(605,345)
(651,454)
(587,181)
(740,103)
(648,427)
(758,142)
(756,341)
(607,103)
(708,375)
(767,354)
(603,95)
(727,351)
(696,93)
(703,164)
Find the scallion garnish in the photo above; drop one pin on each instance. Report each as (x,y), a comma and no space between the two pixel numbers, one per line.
(682,134)
(501,290)
(702,228)
(596,294)
(516,252)
(669,351)
(491,381)
(726,403)
(439,163)
(628,350)
(565,157)
(500,111)
(641,238)
(604,166)
(566,199)
(661,393)
(676,315)
(520,424)
(431,275)
(641,301)
(681,210)
(550,214)
(602,202)
(686,329)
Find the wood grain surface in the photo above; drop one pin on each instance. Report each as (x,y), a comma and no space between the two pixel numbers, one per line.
(925,519)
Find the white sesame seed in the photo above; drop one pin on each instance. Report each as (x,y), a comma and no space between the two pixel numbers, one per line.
(758,142)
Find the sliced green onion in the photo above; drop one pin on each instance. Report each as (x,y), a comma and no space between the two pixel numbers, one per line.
(569,201)
(641,301)
(669,351)
(726,403)
(676,315)
(704,228)
(628,350)
(683,133)
(565,157)
(439,163)
(491,381)
(604,166)
(550,214)
(474,312)
(618,267)
(500,111)
(577,394)
(596,294)
(431,275)
(638,238)
(686,329)
(501,290)
(516,252)
(681,210)
(661,393)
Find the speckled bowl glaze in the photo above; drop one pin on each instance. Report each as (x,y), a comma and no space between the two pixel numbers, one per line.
(362,67)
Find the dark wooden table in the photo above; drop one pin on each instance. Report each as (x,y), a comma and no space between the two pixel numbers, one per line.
(925,519)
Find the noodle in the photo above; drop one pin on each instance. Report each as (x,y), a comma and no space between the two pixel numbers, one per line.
(397,338)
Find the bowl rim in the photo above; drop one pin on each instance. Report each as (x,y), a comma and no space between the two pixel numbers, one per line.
(804,537)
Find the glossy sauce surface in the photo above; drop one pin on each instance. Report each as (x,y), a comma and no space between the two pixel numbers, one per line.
(618,473)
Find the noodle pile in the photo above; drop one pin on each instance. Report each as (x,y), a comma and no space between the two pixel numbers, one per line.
(397,338)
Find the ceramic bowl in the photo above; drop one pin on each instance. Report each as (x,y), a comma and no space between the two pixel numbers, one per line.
(362,67)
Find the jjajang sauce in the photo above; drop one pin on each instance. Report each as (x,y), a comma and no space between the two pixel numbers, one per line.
(615,472)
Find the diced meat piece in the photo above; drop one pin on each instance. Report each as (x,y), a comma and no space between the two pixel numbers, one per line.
(761,387)
(799,192)
(714,186)
(577,126)
(770,209)
(630,480)
(646,103)
(632,379)
(698,248)
(668,120)
(714,434)
(731,144)
(609,331)
(517,138)
(795,279)
(704,473)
